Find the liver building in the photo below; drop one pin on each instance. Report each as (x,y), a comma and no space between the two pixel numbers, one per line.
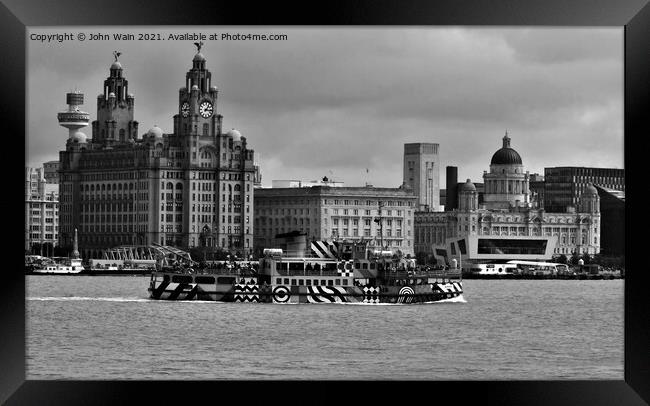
(191,188)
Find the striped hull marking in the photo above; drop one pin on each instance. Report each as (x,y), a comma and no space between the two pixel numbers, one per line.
(448,290)
(248,292)
(177,291)
(156,293)
(325,294)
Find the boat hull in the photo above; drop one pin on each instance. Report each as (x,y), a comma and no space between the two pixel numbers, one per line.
(187,287)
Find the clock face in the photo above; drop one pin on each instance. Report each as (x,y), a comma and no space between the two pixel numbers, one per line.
(205,109)
(185,109)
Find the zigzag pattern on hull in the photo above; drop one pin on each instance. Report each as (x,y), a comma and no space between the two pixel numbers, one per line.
(247,292)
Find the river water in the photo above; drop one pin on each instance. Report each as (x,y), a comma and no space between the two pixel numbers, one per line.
(105,327)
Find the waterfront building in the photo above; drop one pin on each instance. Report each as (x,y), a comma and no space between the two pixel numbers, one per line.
(189,188)
(382,217)
(564,185)
(422,174)
(612,213)
(506,225)
(537,187)
(41,212)
(51,172)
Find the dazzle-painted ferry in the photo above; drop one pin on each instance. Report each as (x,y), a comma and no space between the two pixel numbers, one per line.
(282,279)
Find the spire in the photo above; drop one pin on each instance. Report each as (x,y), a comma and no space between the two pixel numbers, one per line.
(506,140)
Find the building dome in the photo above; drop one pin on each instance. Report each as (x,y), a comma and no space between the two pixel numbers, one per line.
(468,187)
(111,94)
(506,155)
(236,135)
(130,96)
(213,88)
(79,137)
(590,190)
(195,87)
(155,132)
(116,65)
(199,57)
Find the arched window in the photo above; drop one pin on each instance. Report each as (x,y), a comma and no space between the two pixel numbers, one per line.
(119,186)
(122,135)
(206,128)
(237,188)
(170,186)
(179,186)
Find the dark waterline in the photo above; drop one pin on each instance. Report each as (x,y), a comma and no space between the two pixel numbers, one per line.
(105,327)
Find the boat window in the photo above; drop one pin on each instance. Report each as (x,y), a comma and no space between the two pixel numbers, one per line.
(315,282)
(166,278)
(296,266)
(182,279)
(323,282)
(301,282)
(330,266)
(204,279)
(345,282)
(348,266)
(293,281)
(278,281)
(286,281)
(225,280)
(338,282)
(280,266)
(357,265)
(308,282)
(364,266)
(372,265)
(330,282)
(316,266)
(340,265)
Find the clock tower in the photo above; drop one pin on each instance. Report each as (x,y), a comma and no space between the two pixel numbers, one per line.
(197,102)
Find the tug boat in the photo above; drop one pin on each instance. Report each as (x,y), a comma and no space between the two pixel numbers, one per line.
(283,279)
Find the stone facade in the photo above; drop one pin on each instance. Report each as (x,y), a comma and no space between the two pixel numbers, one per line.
(337,214)
(41,209)
(191,188)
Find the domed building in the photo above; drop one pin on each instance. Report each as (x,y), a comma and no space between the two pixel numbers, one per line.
(188,187)
(506,185)
(506,226)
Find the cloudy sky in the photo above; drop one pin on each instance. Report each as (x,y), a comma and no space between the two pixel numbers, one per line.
(335,101)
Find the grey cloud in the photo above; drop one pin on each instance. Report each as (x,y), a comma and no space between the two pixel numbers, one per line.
(342,100)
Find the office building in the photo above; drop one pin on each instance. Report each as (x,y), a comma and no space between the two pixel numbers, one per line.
(383,217)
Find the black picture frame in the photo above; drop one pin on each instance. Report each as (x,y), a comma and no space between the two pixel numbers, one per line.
(633,15)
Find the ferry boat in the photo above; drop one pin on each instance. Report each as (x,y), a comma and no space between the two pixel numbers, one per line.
(59,265)
(278,278)
(62,265)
